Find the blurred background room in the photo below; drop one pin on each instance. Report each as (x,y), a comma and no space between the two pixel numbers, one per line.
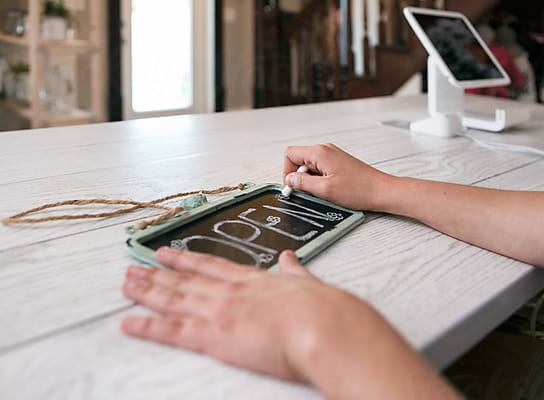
(82,61)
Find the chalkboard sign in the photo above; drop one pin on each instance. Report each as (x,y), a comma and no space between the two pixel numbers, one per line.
(254,227)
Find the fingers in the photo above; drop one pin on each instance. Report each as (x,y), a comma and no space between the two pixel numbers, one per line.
(189,333)
(317,158)
(188,282)
(296,156)
(288,262)
(291,162)
(315,184)
(314,157)
(205,264)
(169,301)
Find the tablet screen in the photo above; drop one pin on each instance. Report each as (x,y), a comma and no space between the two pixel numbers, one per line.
(465,57)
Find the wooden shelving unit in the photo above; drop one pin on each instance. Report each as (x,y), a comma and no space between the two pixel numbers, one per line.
(21,41)
(73,117)
(68,45)
(20,109)
(36,48)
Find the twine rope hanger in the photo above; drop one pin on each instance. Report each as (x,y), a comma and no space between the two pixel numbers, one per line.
(170,211)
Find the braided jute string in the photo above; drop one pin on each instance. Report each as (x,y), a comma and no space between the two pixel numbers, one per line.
(170,211)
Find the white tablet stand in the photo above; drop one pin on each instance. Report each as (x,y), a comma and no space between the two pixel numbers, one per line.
(447,117)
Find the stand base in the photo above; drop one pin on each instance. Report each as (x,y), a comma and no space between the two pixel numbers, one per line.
(504,118)
(444,125)
(445,103)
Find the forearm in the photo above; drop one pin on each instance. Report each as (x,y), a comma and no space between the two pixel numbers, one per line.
(506,222)
(375,364)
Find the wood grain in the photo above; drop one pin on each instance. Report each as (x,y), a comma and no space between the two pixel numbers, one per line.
(59,284)
(398,266)
(153,179)
(96,261)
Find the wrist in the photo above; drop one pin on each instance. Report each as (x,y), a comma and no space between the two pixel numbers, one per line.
(330,359)
(387,194)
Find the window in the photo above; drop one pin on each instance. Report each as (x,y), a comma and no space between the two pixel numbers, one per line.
(162,55)
(167,52)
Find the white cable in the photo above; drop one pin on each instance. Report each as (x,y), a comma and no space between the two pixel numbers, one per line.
(504,146)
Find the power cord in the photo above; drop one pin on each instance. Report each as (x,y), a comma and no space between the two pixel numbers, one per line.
(502,146)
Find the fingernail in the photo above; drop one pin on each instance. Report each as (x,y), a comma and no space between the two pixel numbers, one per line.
(290,253)
(129,324)
(166,253)
(136,284)
(137,271)
(290,179)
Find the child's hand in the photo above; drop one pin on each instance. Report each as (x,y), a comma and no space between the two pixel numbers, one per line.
(340,178)
(288,324)
(268,322)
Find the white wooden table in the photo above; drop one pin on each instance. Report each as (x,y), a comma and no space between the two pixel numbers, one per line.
(60,282)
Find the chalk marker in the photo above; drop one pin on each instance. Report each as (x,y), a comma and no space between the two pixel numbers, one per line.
(287,190)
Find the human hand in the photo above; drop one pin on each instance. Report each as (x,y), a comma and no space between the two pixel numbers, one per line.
(339,177)
(288,324)
(265,321)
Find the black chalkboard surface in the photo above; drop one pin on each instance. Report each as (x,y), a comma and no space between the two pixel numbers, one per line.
(255,229)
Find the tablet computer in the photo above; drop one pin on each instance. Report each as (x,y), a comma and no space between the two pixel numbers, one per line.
(252,227)
(456,47)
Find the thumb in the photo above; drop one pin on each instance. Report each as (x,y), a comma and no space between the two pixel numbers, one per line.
(289,264)
(314,184)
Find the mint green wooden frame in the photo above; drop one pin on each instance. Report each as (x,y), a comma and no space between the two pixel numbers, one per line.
(305,253)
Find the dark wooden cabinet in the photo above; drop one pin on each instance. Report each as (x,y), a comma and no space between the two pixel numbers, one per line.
(272,55)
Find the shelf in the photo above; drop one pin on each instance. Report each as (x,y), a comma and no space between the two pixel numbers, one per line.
(18,40)
(66,45)
(38,49)
(73,117)
(77,45)
(18,108)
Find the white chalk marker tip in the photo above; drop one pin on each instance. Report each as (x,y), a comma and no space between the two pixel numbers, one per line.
(287,190)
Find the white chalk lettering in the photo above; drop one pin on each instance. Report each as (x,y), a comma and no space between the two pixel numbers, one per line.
(330,216)
(246,241)
(258,253)
(183,244)
(273,221)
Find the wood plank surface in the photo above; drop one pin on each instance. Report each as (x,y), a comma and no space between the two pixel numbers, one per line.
(97,255)
(397,267)
(59,283)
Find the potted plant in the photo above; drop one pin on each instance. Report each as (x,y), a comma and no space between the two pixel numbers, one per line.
(55,20)
(20,71)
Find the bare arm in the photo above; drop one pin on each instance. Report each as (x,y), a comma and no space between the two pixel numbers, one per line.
(506,222)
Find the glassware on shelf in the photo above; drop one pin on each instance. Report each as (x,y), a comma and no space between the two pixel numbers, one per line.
(9,85)
(20,24)
(22,88)
(4,70)
(20,82)
(9,22)
(55,94)
(14,22)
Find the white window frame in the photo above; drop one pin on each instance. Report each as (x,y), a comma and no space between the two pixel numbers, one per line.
(203,62)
